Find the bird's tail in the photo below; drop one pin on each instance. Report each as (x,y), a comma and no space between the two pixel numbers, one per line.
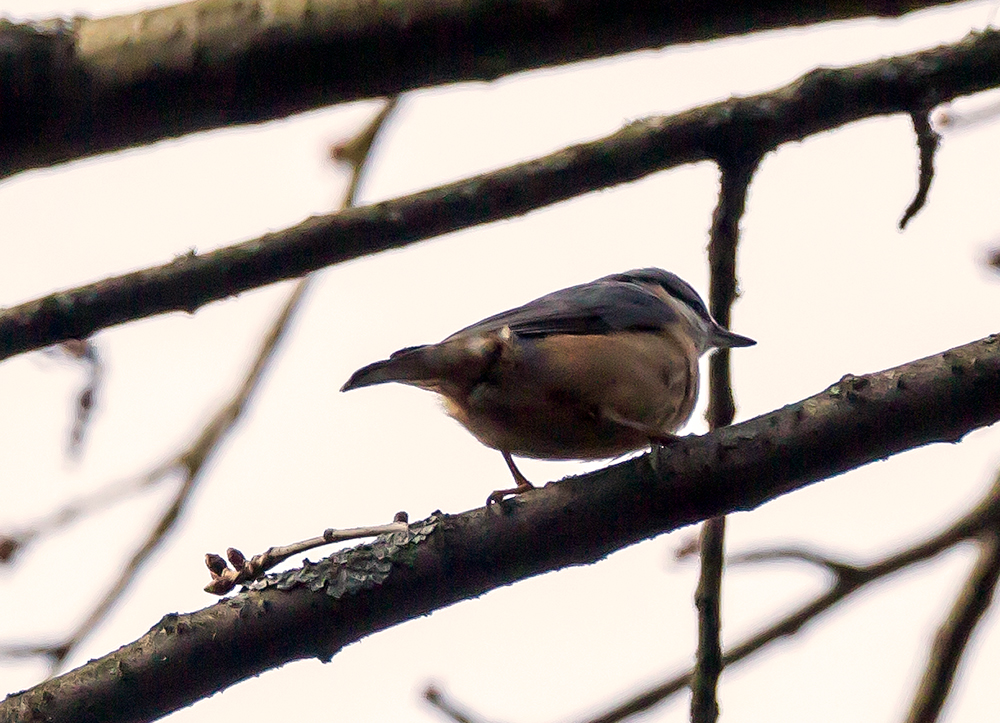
(408,365)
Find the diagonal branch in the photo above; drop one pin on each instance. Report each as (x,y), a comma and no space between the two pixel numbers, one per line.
(983,519)
(821,100)
(956,631)
(440,701)
(92,86)
(191,465)
(316,610)
(837,568)
(191,462)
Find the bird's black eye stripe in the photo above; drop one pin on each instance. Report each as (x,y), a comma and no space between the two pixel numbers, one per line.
(680,290)
(674,285)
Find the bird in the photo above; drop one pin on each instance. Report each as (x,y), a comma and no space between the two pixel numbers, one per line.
(592,371)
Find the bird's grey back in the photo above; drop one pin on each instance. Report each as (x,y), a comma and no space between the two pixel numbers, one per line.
(672,283)
(613,303)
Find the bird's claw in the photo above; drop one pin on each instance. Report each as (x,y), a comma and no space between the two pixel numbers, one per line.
(498,496)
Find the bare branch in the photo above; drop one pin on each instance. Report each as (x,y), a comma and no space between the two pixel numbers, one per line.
(191,461)
(819,101)
(848,579)
(315,610)
(437,698)
(708,602)
(84,352)
(225,579)
(737,170)
(927,142)
(92,86)
(956,632)
(837,568)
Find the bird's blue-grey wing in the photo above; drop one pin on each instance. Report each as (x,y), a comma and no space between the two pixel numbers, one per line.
(599,307)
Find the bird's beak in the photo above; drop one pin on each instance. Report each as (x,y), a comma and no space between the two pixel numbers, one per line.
(726,339)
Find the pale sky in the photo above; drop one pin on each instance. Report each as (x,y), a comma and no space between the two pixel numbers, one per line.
(830,287)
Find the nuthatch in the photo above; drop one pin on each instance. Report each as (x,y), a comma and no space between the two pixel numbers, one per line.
(589,372)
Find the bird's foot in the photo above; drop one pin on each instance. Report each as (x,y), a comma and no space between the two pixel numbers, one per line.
(523,485)
(497,496)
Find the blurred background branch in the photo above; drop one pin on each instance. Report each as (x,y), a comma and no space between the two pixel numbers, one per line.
(186,468)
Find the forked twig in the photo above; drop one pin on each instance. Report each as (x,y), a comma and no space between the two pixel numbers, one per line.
(243,570)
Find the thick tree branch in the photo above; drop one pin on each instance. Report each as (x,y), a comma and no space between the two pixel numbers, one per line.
(821,100)
(72,89)
(316,610)
(847,579)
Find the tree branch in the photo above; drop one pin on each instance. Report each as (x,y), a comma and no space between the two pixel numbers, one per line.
(956,631)
(927,143)
(734,182)
(821,100)
(708,603)
(190,462)
(847,580)
(91,86)
(441,702)
(316,610)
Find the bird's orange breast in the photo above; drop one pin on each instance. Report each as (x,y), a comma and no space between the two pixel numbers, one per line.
(564,396)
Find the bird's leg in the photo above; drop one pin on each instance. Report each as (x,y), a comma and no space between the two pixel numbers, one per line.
(523,485)
(659,441)
(663,439)
(656,436)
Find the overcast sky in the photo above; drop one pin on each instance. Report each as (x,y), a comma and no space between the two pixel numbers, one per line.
(830,287)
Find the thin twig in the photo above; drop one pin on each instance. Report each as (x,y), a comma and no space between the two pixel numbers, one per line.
(356,151)
(847,580)
(951,120)
(927,142)
(83,351)
(243,570)
(15,541)
(955,633)
(708,602)
(190,463)
(736,172)
(793,554)
(437,698)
